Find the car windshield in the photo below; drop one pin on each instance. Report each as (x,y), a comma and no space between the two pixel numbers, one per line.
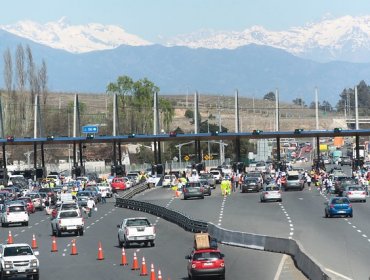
(271,188)
(17,251)
(138,222)
(251,180)
(206,256)
(193,185)
(355,188)
(293,177)
(83,194)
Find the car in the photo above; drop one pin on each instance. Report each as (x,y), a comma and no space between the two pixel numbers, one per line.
(206,263)
(206,186)
(67,221)
(118,184)
(136,230)
(50,193)
(346,161)
(355,193)
(169,181)
(271,192)
(36,199)
(216,175)
(338,206)
(209,177)
(193,189)
(83,197)
(255,174)
(293,181)
(250,185)
(19,260)
(29,204)
(14,212)
(340,182)
(105,188)
(96,192)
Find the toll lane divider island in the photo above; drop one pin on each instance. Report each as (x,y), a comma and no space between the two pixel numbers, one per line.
(305,263)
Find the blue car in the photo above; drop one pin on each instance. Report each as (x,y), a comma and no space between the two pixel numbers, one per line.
(338,206)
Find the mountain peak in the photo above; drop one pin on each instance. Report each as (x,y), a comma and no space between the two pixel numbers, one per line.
(74,38)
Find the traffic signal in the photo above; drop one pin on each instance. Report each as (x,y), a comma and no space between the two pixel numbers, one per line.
(337,130)
(257,132)
(298,130)
(50,138)
(90,136)
(214,133)
(10,138)
(173,134)
(132,135)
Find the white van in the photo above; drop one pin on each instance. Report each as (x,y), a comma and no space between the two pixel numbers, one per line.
(14,213)
(217,175)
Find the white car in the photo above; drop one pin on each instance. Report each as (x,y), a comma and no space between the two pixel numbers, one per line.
(14,213)
(355,193)
(169,181)
(271,192)
(107,188)
(217,175)
(19,260)
(136,230)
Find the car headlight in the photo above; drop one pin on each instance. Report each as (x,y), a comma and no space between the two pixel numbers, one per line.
(34,263)
(8,264)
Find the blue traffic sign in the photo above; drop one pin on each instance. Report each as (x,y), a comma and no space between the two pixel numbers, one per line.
(90,129)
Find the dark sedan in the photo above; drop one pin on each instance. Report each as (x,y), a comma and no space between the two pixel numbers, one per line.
(251,185)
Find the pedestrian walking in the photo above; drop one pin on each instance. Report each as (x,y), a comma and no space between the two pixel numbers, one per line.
(90,206)
(104,196)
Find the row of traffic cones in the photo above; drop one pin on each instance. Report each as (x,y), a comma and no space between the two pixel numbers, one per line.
(135,263)
(11,240)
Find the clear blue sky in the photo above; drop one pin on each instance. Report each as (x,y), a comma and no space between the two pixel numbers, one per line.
(150,19)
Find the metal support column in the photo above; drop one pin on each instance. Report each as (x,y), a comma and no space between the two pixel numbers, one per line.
(357,151)
(42,156)
(4,156)
(318,148)
(114,153)
(278,156)
(237,149)
(159,152)
(155,153)
(34,156)
(81,154)
(198,151)
(119,154)
(74,154)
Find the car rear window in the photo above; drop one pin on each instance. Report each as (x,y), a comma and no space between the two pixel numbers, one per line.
(69,214)
(14,209)
(293,177)
(272,188)
(355,188)
(135,223)
(206,256)
(340,201)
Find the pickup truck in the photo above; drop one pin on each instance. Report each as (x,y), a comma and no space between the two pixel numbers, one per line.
(18,260)
(136,230)
(67,221)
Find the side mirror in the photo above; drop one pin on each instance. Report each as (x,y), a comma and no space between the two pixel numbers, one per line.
(222,255)
(36,253)
(118,226)
(187,257)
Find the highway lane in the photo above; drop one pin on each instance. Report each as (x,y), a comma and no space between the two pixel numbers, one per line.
(339,247)
(172,244)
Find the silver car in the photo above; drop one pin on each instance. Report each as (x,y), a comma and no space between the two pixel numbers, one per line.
(355,193)
(271,192)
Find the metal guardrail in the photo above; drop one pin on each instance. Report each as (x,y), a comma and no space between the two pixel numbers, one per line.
(303,261)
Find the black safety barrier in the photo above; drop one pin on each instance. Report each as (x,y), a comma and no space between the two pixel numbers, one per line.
(303,261)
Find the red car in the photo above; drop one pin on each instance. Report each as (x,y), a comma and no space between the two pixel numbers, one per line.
(29,204)
(118,184)
(206,263)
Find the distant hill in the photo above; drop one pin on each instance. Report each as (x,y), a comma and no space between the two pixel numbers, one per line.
(254,70)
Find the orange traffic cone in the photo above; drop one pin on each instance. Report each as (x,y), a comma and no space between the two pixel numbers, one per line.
(74,248)
(135,264)
(100,252)
(34,242)
(159,274)
(152,272)
(123,257)
(10,238)
(144,271)
(54,247)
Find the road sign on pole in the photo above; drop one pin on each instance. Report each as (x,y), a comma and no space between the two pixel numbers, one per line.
(90,129)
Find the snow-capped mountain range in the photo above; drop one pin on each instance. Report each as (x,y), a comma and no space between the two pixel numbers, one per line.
(74,38)
(346,38)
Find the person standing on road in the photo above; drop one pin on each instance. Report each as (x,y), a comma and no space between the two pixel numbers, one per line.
(90,206)
(104,196)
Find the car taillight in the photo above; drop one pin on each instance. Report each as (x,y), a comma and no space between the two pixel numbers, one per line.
(185,190)
(7,212)
(364,193)
(350,205)
(266,192)
(349,192)
(331,205)
(60,222)
(154,229)
(222,264)
(193,265)
(127,232)
(202,189)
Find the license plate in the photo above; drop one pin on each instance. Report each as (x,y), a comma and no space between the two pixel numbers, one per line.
(341,211)
(71,227)
(21,269)
(208,264)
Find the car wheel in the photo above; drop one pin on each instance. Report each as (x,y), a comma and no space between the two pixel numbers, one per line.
(36,276)
(189,276)
(59,233)
(2,276)
(364,200)
(202,197)
(326,215)
(152,244)
(53,232)
(26,224)
(4,224)
(350,215)
(126,244)
(262,201)
(120,243)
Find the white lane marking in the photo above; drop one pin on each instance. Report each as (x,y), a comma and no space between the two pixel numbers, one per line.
(364,235)
(218,224)
(36,224)
(92,223)
(354,226)
(368,240)
(15,235)
(23,230)
(338,274)
(87,227)
(63,254)
(42,221)
(300,198)
(349,223)
(359,231)
(291,233)
(280,267)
